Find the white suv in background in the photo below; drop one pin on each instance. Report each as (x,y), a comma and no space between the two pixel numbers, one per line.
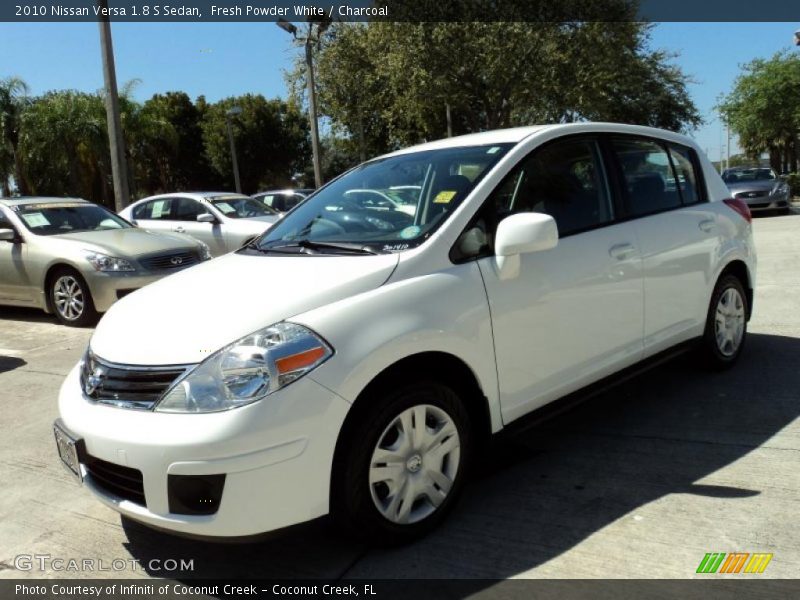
(352,359)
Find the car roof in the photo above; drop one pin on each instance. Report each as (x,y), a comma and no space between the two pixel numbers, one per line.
(284,191)
(516,135)
(20,200)
(195,195)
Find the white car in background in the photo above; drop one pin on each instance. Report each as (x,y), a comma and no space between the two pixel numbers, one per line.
(223,221)
(366,354)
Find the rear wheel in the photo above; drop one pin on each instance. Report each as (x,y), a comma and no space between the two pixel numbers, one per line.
(404,464)
(726,324)
(71,299)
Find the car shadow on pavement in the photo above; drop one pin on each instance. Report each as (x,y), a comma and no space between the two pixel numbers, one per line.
(9,363)
(541,492)
(30,315)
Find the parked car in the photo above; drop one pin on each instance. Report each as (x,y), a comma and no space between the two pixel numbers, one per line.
(75,259)
(357,368)
(222,221)
(760,188)
(282,201)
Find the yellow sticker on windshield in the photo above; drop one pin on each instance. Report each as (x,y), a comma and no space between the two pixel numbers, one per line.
(444,197)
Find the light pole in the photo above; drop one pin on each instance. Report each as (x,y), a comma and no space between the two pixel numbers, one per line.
(116,141)
(309,40)
(232,112)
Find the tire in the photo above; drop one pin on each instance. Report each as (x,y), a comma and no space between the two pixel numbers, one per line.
(726,324)
(370,496)
(71,299)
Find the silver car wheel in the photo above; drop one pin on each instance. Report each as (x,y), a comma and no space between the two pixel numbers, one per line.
(68,297)
(729,322)
(414,464)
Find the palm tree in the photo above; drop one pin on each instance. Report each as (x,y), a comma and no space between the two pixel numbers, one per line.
(13,98)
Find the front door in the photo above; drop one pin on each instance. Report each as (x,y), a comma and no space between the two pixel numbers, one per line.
(573,314)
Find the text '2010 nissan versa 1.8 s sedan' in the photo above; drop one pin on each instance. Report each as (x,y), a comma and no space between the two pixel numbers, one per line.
(366,352)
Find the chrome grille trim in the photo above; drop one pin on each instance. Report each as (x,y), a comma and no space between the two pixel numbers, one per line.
(170,262)
(126,386)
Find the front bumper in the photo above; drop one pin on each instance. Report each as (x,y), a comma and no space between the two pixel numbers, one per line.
(276,455)
(107,288)
(767,203)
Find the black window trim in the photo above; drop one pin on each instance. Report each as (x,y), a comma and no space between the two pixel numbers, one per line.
(627,214)
(610,180)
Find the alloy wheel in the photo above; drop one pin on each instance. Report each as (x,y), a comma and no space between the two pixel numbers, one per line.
(68,297)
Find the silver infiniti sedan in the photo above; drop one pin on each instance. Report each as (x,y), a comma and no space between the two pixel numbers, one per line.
(760,188)
(75,259)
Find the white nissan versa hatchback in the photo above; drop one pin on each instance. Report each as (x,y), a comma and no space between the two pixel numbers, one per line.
(351,359)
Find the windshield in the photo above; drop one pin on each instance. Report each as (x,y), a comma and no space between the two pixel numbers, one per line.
(241,207)
(68,217)
(363,207)
(749,175)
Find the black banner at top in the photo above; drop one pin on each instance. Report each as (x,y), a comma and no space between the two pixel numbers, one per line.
(399,10)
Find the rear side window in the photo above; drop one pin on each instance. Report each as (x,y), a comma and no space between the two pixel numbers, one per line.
(649,178)
(685,176)
(154,210)
(565,180)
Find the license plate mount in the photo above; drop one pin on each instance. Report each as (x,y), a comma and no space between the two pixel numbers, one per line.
(67,446)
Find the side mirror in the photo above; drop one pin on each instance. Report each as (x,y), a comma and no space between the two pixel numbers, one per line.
(8,235)
(521,234)
(206,218)
(525,232)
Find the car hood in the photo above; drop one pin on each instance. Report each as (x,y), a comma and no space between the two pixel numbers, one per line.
(753,186)
(129,242)
(184,318)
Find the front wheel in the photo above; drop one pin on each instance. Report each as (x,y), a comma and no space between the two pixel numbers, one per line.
(403,465)
(726,324)
(71,299)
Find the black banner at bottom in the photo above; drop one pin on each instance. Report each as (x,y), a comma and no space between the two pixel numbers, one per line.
(711,588)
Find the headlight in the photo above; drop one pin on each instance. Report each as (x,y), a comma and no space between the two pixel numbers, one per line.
(779,190)
(205,251)
(103,262)
(247,370)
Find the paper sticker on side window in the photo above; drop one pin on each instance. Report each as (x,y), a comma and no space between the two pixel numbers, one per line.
(35,219)
(158,209)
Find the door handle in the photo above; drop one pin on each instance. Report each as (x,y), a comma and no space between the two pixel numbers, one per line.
(622,251)
(706,225)
(179,229)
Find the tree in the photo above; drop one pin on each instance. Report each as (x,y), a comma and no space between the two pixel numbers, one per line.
(13,99)
(764,109)
(63,146)
(271,141)
(391,84)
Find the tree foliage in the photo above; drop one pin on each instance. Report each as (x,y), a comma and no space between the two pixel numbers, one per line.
(57,144)
(391,84)
(270,136)
(764,109)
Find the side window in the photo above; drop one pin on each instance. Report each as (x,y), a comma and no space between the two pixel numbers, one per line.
(186,209)
(648,174)
(293,201)
(685,176)
(155,210)
(268,200)
(565,180)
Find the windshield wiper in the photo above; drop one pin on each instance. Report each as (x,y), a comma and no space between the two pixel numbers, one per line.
(338,247)
(306,244)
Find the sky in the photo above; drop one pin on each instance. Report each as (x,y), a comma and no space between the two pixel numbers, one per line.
(226,59)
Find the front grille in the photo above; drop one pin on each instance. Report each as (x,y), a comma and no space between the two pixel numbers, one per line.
(746,195)
(123,482)
(170,262)
(126,386)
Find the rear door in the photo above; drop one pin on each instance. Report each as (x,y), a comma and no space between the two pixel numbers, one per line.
(666,199)
(573,314)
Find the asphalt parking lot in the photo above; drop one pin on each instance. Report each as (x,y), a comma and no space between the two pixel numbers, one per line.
(640,482)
